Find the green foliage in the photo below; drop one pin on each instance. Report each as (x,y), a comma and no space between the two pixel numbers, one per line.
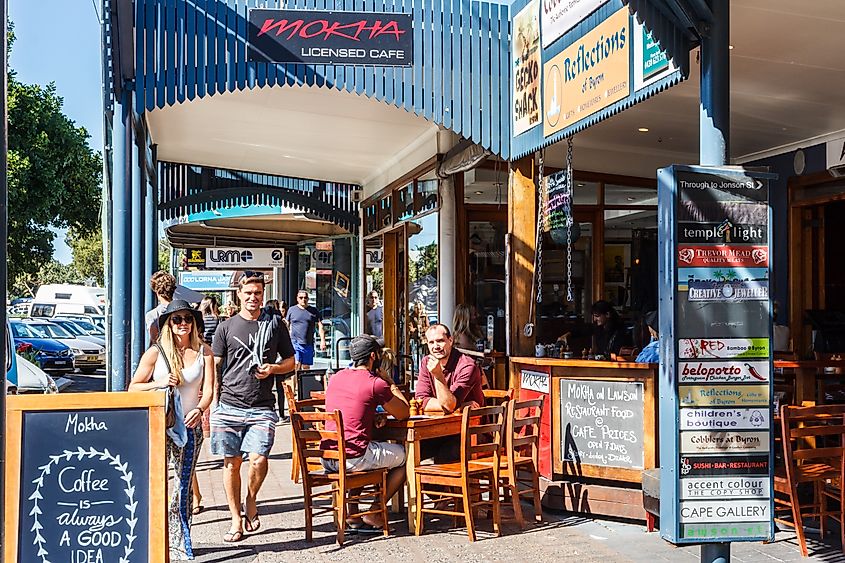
(87,254)
(54,178)
(426,264)
(163,256)
(26,284)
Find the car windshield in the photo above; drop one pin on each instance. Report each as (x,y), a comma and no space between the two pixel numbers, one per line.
(49,330)
(72,328)
(20,330)
(88,327)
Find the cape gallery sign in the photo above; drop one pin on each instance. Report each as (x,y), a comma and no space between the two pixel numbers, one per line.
(332,38)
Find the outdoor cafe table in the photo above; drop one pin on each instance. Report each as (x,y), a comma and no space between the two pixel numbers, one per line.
(411,432)
(807,375)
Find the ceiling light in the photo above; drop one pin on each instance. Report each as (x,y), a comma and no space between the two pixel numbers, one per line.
(580,185)
(479,193)
(730,47)
(643,129)
(629,198)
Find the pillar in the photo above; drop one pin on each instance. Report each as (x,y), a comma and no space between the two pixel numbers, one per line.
(120,243)
(521,244)
(150,242)
(715,107)
(447,242)
(137,300)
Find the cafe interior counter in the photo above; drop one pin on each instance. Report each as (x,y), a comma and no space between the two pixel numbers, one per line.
(598,431)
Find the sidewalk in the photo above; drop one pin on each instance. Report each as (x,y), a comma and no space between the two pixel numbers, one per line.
(559,538)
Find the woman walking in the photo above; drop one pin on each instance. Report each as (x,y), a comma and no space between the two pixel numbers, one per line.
(181,360)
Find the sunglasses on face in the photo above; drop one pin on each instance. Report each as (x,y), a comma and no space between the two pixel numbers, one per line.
(302,297)
(178,319)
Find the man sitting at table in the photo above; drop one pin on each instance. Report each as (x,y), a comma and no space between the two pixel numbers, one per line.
(356,392)
(448,380)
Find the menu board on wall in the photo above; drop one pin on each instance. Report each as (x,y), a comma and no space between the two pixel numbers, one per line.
(601,423)
(717,355)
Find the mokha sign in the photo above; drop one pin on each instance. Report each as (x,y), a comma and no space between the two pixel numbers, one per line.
(332,38)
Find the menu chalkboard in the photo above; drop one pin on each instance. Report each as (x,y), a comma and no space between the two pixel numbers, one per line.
(602,423)
(83,481)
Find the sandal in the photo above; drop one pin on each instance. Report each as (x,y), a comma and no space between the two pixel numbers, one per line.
(197,508)
(253,524)
(232,537)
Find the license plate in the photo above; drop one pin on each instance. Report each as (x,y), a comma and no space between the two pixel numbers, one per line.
(61,362)
(92,358)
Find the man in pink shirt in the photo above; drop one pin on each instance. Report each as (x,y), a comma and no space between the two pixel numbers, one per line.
(448,380)
(356,392)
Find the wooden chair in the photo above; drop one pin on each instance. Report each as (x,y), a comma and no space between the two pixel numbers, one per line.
(520,465)
(475,474)
(812,439)
(344,487)
(298,406)
(495,397)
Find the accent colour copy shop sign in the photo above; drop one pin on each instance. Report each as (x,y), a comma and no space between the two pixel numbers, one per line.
(716,356)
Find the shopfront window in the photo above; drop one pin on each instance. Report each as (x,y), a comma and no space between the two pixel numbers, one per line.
(486,264)
(427,195)
(422,280)
(586,193)
(629,195)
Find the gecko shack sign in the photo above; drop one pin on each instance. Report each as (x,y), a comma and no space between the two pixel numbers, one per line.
(85,478)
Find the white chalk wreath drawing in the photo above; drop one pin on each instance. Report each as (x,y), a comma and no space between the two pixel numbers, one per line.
(80,453)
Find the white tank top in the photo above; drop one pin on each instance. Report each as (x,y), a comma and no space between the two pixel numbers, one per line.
(191,380)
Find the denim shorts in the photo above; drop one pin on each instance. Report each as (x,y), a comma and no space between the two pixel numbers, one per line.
(304,353)
(235,430)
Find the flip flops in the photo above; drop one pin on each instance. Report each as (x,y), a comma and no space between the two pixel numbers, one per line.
(363,529)
(232,537)
(253,524)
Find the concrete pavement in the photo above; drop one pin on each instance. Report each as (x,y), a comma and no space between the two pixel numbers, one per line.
(560,537)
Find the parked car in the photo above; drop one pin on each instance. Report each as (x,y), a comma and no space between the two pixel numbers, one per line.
(73,327)
(50,354)
(91,327)
(88,357)
(64,298)
(32,379)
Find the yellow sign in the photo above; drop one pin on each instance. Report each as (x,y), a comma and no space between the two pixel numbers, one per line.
(526,68)
(724,395)
(589,75)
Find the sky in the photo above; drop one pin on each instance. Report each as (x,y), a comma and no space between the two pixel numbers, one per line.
(59,41)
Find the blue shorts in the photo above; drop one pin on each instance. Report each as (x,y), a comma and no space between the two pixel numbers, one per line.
(235,430)
(304,353)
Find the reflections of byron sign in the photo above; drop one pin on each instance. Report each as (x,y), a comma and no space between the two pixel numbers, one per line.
(526,68)
(333,38)
(589,75)
(83,478)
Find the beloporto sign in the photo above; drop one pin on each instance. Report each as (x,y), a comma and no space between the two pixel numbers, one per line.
(333,38)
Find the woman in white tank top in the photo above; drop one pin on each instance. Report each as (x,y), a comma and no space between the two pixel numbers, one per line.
(180,359)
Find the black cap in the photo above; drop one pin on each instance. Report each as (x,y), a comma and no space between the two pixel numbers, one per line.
(362,346)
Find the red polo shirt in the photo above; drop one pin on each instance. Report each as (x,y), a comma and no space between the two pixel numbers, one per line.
(462,375)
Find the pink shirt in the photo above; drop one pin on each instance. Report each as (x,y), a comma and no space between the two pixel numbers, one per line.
(462,376)
(355,393)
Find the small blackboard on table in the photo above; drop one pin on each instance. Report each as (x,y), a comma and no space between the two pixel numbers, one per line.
(86,478)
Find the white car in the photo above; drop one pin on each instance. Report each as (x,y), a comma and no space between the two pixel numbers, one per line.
(32,379)
(87,356)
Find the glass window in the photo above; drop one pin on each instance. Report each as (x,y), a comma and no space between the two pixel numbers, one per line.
(629,195)
(422,281)
(427,195)
(371,222)
(630,259)
(486,265)
(404,202)
(586,193)
(385,212)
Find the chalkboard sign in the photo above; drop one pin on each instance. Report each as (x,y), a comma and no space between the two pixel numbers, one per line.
(85,478)
(602,423)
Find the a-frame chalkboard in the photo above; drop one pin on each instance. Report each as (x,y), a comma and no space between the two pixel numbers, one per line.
(86,478)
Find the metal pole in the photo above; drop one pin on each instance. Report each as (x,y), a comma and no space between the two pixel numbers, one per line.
(715,109)
(150,243)
(714,135)
(137,282)
(4,272)
(121,240)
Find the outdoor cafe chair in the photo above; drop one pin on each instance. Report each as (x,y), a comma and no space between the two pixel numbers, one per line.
(295,405)
(812,441)
(474,475)
(520,465)
(345,488)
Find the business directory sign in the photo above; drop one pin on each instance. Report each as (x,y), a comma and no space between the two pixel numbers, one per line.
(715,334)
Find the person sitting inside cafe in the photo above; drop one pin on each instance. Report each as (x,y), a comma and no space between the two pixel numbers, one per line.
(608,334)
(448,380)
(357,392)
(651,353)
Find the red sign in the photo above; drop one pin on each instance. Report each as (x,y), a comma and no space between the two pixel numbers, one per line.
(723,256)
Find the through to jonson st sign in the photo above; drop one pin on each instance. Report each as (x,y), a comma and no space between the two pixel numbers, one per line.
(332,38)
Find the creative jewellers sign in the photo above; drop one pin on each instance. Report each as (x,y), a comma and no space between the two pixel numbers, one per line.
(332,38)
(728,291)
(589,75)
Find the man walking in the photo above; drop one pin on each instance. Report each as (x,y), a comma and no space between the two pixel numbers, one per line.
(249,345)
(375,316)
(302,319)
(164,286)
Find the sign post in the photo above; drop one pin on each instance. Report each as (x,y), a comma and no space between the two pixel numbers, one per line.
(85,478)
(716,356)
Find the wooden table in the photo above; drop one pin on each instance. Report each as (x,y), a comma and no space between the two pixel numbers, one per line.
(807,375)
(411,432)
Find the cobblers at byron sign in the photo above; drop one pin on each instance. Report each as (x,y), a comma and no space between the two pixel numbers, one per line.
(333,38)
